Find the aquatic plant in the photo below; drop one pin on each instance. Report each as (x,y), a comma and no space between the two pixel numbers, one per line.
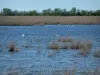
(54,45)
(72,46)
(64,46)
(85,47)
(96,53)
(77,43)
(50,54)
(67,73)
(17,49)
(69,39)
(62,39)
(26,45)
(11,47)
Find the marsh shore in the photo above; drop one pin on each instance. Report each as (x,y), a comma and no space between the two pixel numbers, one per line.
(41,20)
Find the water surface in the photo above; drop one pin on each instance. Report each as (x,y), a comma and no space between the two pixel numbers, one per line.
(34,60)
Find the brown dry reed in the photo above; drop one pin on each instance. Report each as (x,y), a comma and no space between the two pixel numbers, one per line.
(85,47)
(11,47)
(54,45)
(65,39)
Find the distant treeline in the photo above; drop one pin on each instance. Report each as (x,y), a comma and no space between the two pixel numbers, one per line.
(50,12)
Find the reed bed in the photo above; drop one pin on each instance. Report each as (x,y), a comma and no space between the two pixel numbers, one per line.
(64,46)
(68,43)
(65,39)
(54,45)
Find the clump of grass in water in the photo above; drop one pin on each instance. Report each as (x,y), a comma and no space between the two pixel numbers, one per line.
(72,46)
(65,46)
(96,53)
(50,54)
(85,48)
(65,39)
(69,39)
(75,45)
(26,45)
(11,47)
(17,49)
(54,45)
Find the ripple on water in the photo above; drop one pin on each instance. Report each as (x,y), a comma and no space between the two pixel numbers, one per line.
(33,62)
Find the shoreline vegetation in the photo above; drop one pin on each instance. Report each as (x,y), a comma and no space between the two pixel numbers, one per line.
(48,20)
(48,16)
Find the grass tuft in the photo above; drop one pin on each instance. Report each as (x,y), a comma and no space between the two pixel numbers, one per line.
(85,47)
(50,54)
(96,53)
(11,47)
(72,46)
(17,49)
(65,46)
(54,45)
(65,39)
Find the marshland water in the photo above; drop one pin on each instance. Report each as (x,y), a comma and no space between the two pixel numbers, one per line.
(32,56)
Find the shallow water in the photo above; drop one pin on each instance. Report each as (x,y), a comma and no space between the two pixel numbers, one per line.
(35,60)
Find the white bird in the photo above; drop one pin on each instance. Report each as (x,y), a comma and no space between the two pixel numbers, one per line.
(23,35)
